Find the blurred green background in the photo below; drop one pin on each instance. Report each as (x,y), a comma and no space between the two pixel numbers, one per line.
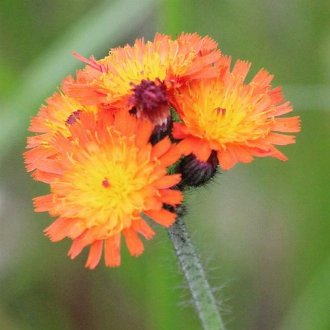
(263,230)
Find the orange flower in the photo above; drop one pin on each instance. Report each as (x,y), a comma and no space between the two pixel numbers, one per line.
(55,117)
(141,77)
(104,179)
(235,119)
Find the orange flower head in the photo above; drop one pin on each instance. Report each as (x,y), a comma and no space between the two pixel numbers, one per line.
(60,112)
(104,179)
(232,118)
(142,77)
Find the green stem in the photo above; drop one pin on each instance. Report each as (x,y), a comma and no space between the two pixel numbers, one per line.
(174,20)
(194,273)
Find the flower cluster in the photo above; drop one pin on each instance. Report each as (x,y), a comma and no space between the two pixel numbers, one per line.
(119,141)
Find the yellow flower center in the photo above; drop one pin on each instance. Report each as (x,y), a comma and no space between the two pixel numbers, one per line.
(216,113)
(132,71)
(107,185)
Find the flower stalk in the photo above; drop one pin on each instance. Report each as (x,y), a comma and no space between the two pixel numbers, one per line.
(205,303)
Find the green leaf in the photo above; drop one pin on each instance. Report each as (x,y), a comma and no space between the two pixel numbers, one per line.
(311,310)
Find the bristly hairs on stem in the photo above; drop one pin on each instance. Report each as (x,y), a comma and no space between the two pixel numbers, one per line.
(193,271)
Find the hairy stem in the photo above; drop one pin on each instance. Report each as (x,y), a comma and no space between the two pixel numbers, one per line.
(194,273)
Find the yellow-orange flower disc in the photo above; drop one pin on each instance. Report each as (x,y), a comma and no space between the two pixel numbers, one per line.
(105,177)
(56,116)
(159,65)
(235,119)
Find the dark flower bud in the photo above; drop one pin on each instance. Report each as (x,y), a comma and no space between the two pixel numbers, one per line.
(161,130)
(195,172)
(150,101)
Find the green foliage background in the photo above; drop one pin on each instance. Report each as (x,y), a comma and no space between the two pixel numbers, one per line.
(263,230)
